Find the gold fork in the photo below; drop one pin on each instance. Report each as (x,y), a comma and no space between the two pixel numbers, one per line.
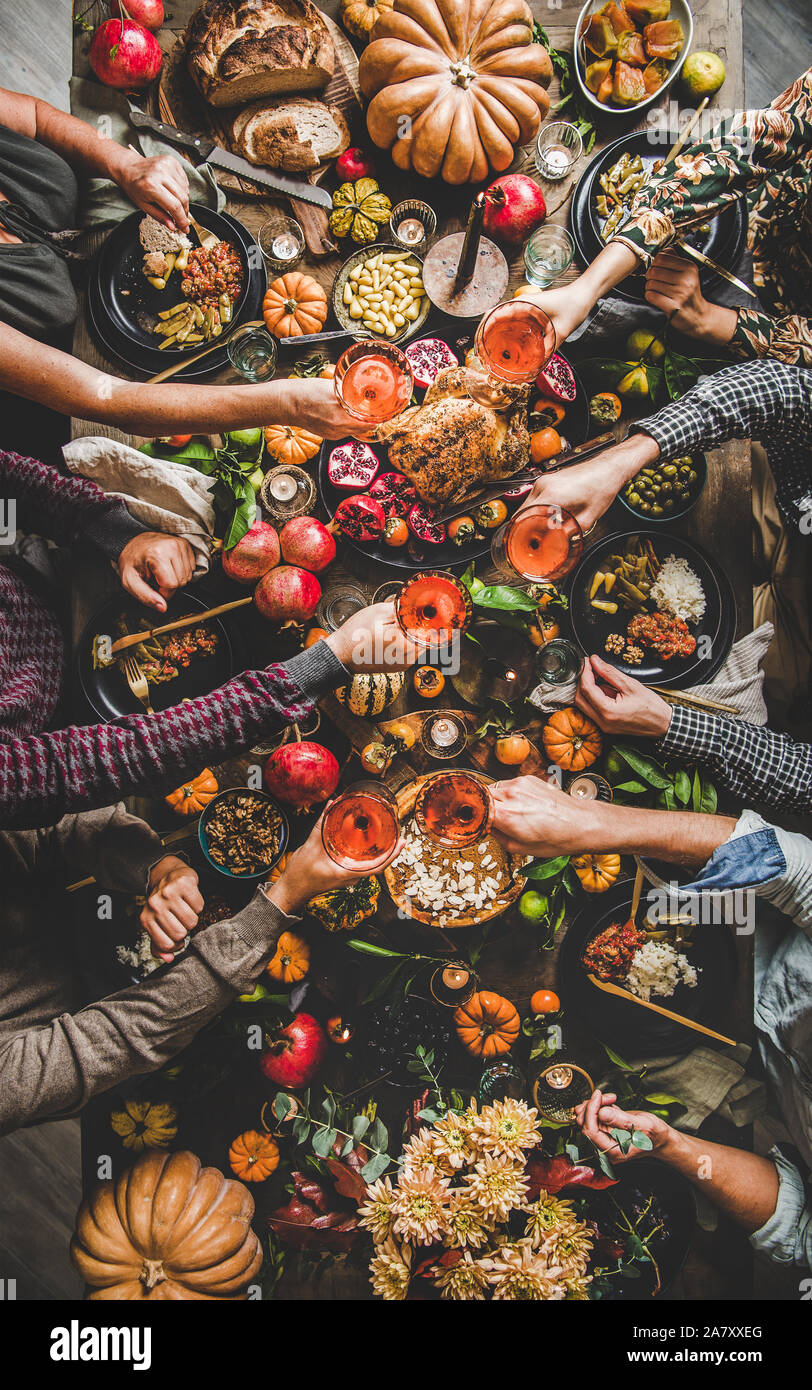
(137,682)
(206,238)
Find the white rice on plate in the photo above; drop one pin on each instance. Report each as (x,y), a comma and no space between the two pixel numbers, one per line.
(677,590)
(657,968)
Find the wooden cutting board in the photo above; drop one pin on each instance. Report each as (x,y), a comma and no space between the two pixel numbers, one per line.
(176,100)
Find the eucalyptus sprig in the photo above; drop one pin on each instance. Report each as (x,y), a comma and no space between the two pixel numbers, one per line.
(322,1133)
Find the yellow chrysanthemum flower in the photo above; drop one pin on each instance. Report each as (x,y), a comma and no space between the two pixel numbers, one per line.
(375,1214)
(464,1280)
(497,1185)
(390,1270)
(419,1207)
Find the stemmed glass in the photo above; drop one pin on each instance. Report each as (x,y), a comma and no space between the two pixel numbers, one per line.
(361,827)
(433,603)
(373,381)
(454,808)
(513,342)
(541,542)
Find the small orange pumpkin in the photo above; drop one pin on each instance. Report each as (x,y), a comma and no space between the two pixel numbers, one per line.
(291,444)
(597,872)
(253,1156)
(571,740)
(290,961)
(294,304)
(488,1025)
(193,796)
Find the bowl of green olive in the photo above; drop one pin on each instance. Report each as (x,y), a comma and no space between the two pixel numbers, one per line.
(666,491)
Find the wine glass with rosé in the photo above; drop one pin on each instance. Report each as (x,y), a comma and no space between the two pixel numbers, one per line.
(513,342)
(373,381)
(541,542)
(434,604)
(454,808)
(361,828)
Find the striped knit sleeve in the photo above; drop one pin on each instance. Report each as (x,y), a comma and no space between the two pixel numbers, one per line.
(45,776)
(55,506)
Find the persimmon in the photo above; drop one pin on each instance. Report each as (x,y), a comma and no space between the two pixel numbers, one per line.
(546,411)
(545,1001)
(545,444)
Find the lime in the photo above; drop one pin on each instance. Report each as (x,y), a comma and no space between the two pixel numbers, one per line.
(533,906)
(642,343)
(255,479)
(245,440)
(614,766)
(703,74)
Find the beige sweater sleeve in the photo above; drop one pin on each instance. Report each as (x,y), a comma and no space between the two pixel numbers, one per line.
(51,1071)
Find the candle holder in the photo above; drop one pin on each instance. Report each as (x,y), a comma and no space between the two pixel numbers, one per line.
(590,786)
(412,224)
(502,1080)
(282,243)
(287,491)
(453,984)
(443,735)
(559,1088)
(388,591)
(558,149)
(339,604)
(465,273)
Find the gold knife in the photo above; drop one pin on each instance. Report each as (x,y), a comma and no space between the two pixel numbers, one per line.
(714,265)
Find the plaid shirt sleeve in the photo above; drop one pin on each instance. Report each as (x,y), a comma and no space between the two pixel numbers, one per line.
(764,400)
(753,763)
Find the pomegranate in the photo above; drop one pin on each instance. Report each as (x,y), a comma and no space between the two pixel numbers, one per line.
(352,466)
(422,524)
(354,164)
(150,13)
(427,358)
(124,54)
(295,1054)
(254,555)
(514,207)
(394,492)
(360,518)
(302,774)
(306,542)
(287,595)
(558,379)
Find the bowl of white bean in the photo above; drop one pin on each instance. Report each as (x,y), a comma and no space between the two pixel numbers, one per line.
(379,293)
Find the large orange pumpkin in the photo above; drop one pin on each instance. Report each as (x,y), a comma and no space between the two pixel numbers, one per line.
(488,1025)
(294,304)
(455,85)
(193,796)
(254,1156)
(167,1229)
(571,740)
(290,961)
(291,444)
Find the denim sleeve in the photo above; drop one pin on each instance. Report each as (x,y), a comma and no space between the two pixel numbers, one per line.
(776,864)
(787,1236)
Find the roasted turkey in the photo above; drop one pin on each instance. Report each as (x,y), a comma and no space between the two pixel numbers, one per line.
(451,443)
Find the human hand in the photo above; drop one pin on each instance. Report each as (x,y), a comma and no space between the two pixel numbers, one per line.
(373,640)
(673,285)
(311,403)
(173,906)
(158,186)
(567,307)
(626,706)
(599,1115)
(532,816)
(310,871)
(152,566)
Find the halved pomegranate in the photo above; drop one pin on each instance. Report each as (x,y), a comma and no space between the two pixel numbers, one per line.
(557,379)
(422,524)
(427,358)
(360,518)
(352,466)
(394,492)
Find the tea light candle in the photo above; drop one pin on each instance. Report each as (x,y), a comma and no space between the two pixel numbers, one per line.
(557,160)
(410,231)
(455,977)
(583,787)
(559,1078)
(444,732)
(283,487)
(284,247)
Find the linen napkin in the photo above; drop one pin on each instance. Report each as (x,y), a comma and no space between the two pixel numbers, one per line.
(740,681)
(165,496)
(707,1082)
(108,111)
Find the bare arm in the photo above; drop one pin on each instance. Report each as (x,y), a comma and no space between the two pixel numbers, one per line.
(53,378)
(569,305)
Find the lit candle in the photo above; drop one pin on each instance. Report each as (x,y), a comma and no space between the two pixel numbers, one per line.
(584,787)
(510,675)
(411,231)
(284,247)
(454,977)
(559,1078)
(444,732)
(283,487)
(557,159)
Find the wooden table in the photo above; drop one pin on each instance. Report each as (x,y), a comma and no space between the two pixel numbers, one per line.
(718,1266)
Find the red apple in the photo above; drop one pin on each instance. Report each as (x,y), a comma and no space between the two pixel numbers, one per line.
(515,206)
(295,1054)
(124,54)
(354,164)
(150,13)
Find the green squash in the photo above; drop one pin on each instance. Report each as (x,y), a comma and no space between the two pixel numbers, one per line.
(370,692)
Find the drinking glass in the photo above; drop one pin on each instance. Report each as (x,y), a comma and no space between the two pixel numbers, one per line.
(373,381)
(454,808)
(282,243)
(433,602)
(559,662)
(513,342)
(541,542)
(547,255)
(252,353)
(558,149)
(360,828)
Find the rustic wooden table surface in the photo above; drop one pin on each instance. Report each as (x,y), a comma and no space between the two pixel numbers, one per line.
(718,1264)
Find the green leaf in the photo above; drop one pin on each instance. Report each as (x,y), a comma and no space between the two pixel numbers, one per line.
(696,792)
(662,1098)
(605,1165)
(547,868)
(669,799)
(348,1147)
(360,1125)
(384,984)
(323,1141)
(368,948)
(641,1140)
(646,768)
(328,1109)
(635,788)
(682,787)
(428,1114)
(377,1165)
(502,596)
(708,800)
(378,1136)
(282,1105)
(617,1059)
(301,1128)
(600,373)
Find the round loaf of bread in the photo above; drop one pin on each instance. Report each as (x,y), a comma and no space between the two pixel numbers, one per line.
(239,50)
(297,133)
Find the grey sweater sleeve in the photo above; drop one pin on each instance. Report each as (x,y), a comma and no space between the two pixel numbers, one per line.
(52,1071)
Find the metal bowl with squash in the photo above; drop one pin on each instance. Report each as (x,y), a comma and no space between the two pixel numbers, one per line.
(678,10)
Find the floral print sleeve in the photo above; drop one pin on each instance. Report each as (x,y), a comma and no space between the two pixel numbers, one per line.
(764,157)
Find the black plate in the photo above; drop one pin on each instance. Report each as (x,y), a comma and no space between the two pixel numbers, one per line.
(574,428)
(724,243)
(633,1030)
(676,1200)
(106,690)
(118,318)
(591,627)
